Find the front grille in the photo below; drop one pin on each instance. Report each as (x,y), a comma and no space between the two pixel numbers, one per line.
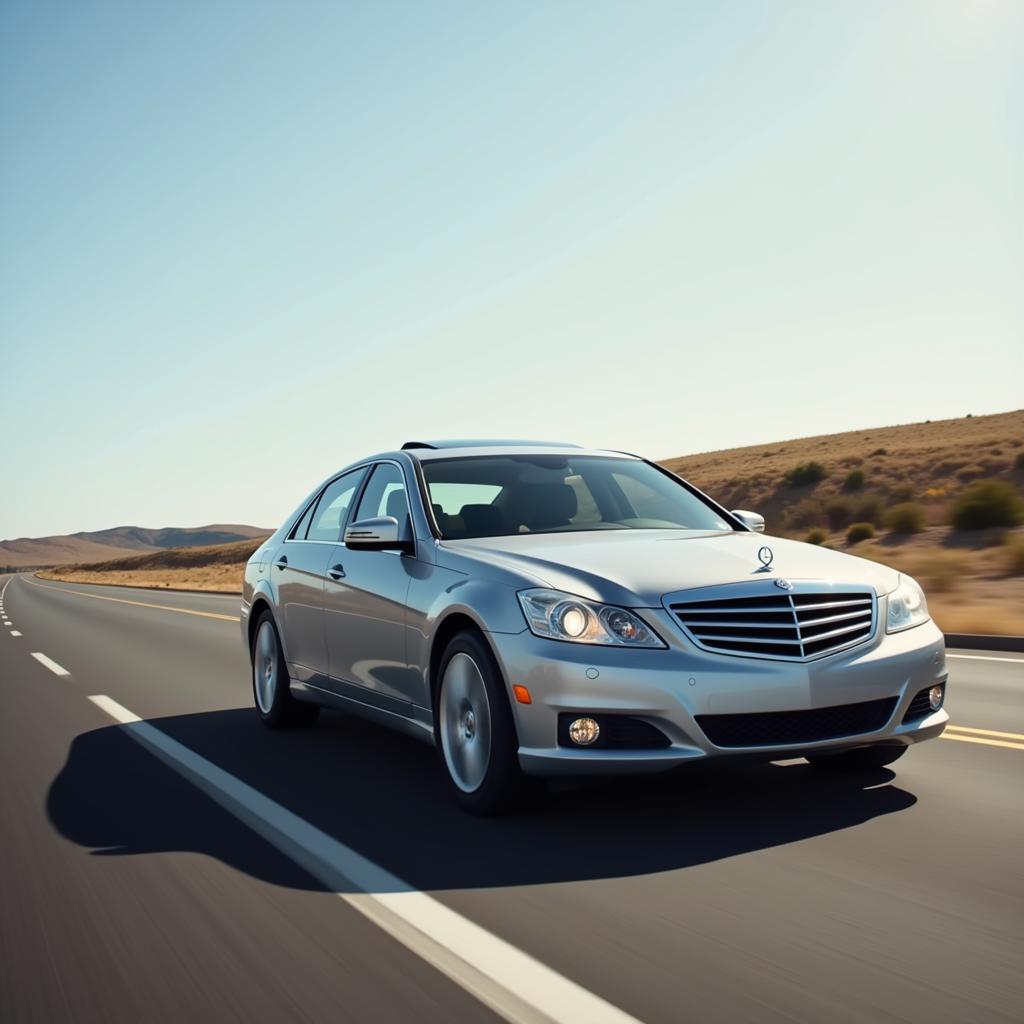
(795,625)
(788,728)
(618,732)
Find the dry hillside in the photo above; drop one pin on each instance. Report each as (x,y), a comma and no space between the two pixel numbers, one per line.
(925,462)
(118,542)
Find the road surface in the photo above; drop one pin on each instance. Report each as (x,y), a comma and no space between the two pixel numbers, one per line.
(134,889)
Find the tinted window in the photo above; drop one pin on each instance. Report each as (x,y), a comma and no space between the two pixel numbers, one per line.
(518,494)
(329,517)
(299,533)
(451,497)
(384,494)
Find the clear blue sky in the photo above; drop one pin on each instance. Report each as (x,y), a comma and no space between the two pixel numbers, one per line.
(244,243)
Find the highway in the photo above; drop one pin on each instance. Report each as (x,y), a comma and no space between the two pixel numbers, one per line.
(165,875)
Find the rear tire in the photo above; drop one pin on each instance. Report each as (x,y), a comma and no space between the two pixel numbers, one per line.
(275,705)
(859,760)
(475,731)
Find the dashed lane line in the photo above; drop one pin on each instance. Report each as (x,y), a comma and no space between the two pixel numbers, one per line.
(57,670)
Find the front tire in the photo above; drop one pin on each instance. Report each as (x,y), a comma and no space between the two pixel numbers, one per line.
(475,732)
(859,760)
(275,705)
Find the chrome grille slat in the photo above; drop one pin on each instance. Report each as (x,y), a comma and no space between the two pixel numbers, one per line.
(824,620)
(783,609)
(833,604)
(802,624)
(768,641)
(786,624)
(832,633)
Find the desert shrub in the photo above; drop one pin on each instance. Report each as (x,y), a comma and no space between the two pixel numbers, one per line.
(988,503)
(907,517)
(816,537)
(806,473)
(860,531)
(869,508)
(1018,462)
(854,480)
(1014,560)
(902,492)
(880,451)
(838,513)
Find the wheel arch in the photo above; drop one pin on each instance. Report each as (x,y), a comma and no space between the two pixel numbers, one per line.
(260,604)
(449,627)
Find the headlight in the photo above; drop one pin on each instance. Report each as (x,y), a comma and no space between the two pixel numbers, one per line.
(561,616)
(907,606)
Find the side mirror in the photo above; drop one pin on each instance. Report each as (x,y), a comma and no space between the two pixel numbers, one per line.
(381,533)
(751,520)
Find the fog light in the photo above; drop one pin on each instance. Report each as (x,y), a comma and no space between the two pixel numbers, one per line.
(935,698)
(584,731)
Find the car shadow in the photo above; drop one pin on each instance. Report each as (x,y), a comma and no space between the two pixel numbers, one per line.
(384,796)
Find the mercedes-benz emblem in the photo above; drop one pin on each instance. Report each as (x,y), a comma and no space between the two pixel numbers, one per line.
(765,555)
(784,584)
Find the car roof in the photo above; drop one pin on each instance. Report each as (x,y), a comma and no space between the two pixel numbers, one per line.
(477,449)
(479,443)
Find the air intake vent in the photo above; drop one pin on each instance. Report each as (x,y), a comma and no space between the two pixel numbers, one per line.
(794,626)
(791,728)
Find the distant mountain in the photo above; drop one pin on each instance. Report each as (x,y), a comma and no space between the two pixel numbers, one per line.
(103,545)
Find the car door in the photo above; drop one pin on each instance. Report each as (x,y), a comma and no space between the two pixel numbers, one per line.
(365,607)
(299,570)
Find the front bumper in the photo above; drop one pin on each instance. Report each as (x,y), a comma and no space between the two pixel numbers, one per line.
(669,688)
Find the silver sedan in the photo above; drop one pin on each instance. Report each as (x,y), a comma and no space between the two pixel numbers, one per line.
(539,609)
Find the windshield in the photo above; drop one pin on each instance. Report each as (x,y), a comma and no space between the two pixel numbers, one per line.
(502,495)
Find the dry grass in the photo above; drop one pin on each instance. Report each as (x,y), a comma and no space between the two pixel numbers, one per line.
(215,568)
(224,579)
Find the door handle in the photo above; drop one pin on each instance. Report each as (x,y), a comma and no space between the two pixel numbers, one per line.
(282,562)
(336,571)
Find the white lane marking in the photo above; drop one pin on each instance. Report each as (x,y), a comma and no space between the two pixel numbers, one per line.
(14,632)
(986,657)
(504,978)
(140,604)
(57,670)
(116,711)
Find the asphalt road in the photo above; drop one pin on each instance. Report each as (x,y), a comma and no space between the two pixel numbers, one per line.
(722,893)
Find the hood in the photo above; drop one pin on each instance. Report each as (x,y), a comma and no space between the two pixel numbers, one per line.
(638,567)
